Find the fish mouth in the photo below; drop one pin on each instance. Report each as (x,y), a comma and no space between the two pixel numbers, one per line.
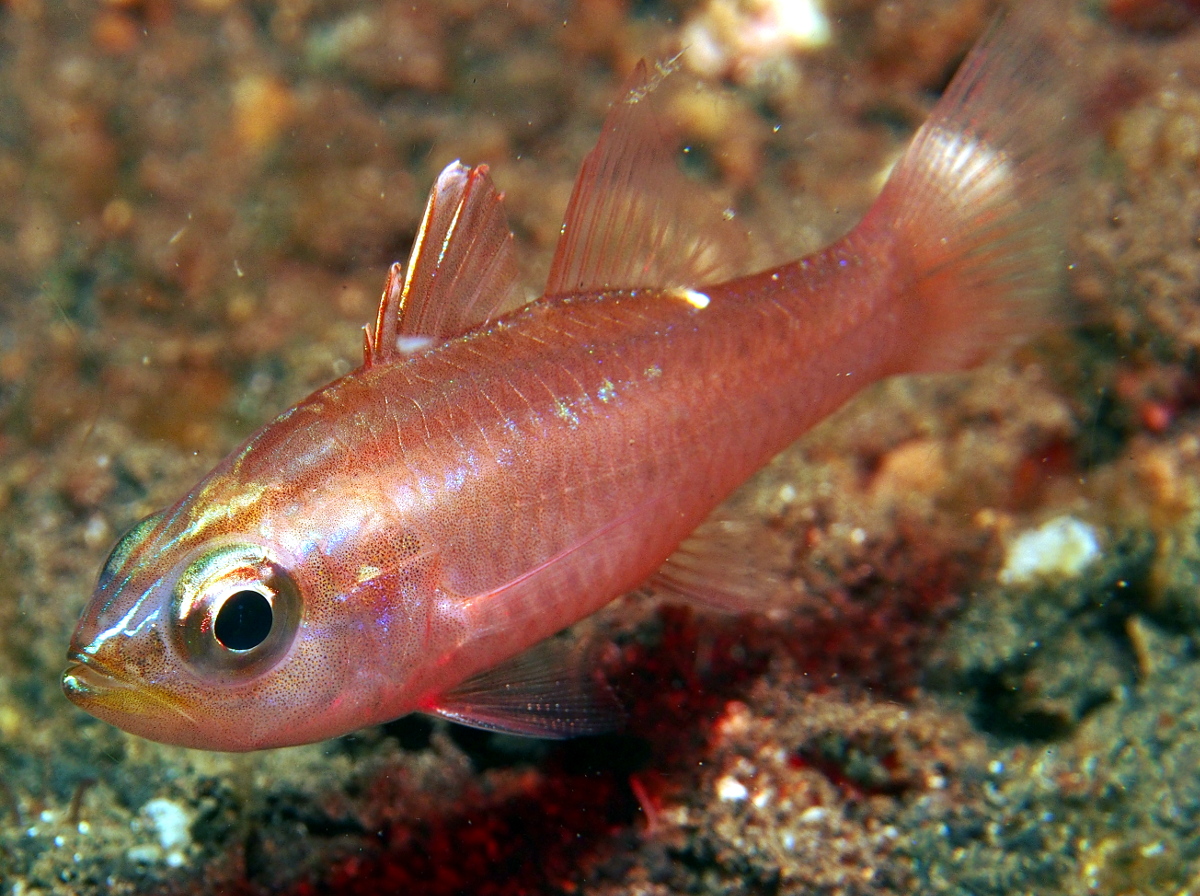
(83,683)
(110,696)
(86,681)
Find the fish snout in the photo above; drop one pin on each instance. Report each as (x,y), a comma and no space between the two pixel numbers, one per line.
(129,704)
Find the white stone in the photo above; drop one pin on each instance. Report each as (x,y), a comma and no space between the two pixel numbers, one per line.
(1062,547)
(801,23)
(147,854)
(731,790)
(171,821)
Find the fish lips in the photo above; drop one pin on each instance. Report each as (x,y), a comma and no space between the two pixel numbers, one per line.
(84,685)
(115,699)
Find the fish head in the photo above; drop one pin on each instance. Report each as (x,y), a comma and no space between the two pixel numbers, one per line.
(203,633)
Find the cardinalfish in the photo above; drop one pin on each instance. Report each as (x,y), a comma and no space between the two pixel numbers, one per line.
(411,537)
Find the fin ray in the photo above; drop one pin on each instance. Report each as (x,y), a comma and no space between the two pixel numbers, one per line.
(726,565)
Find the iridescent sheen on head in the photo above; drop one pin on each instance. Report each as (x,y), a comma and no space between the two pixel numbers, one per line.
(270,605)
(178,610)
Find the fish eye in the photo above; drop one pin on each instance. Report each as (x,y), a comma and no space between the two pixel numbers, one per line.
(235,613)
(244,620)
(127,544)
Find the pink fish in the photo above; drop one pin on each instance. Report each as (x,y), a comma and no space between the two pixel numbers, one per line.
(405,538)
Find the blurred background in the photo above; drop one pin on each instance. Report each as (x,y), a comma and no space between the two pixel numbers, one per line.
(987,684)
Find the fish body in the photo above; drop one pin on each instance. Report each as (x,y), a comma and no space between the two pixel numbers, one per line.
(403,539)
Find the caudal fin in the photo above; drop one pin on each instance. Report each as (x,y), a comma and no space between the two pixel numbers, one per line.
(976,205)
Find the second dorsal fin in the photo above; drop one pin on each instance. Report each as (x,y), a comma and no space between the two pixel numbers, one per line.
(461,271)
(634,219)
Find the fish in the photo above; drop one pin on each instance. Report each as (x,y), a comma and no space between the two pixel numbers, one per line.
(415,536)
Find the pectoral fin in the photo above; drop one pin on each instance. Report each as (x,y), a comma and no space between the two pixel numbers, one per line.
(551,691)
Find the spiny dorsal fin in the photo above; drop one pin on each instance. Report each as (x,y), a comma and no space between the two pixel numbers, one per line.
(634,219)
(461,271)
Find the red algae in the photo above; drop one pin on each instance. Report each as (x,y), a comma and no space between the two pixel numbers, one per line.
(538,831)
(532,840)
(530,831)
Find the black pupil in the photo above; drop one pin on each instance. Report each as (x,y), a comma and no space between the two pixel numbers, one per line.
(244,621)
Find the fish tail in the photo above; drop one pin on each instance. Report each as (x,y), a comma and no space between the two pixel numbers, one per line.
(976,206)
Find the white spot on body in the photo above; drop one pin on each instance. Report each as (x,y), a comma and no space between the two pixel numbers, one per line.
(564,411)
(695,298)
(407,345)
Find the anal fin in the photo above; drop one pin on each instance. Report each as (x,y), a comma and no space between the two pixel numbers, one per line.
(729,565)
(552,690)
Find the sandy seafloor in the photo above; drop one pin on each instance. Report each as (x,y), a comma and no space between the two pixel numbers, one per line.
(198,202)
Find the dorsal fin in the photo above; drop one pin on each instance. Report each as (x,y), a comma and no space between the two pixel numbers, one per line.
(461,271)
(634,219)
